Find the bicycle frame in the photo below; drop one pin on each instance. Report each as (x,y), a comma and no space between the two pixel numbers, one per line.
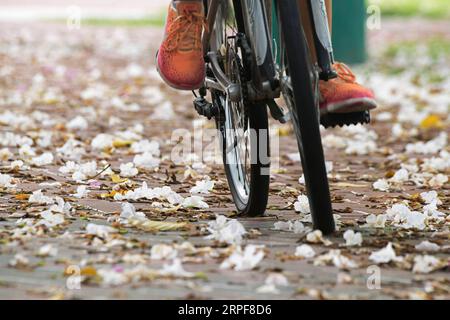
(264,84)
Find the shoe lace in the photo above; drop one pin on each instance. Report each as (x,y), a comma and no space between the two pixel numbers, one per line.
(184,32)
(344,72)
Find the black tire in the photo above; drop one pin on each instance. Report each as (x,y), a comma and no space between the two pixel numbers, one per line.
(260,169)
(258,193)
(305,116)
(254,202)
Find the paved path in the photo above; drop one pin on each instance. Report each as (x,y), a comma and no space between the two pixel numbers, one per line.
(46,70)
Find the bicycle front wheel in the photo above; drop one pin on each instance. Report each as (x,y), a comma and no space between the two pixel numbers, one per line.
(300,91)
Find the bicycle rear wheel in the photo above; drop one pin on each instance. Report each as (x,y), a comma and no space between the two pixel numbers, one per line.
(243,126)
(300,91)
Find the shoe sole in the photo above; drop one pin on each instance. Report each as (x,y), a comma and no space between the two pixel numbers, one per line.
(178,86)
(350,106)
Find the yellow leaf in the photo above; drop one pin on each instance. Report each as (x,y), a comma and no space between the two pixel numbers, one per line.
(108,195)
(89,271)
(58,296)
(151,225)
(122,143)
(284,131)
(348,185)
(22,196)
(117,179)
(86,271)
(432,121)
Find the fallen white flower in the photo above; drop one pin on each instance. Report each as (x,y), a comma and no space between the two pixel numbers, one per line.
(102,141)
(376,221)
(431,197)
(128,170)
(15,165)
(244,260)
(163,252)
(427,246)
(267,289)
(403,217)
(426,264)
(81,192)
(437,164)
(72,149)
(176,270)
(61,206)
(134,258)
(204,187)
(6,181)
(352,238)
(40,198)
(316,236)
(438,181)
(19,260)
(400,176)
(99,230)
(194,202)
(42,160)
(146,161)
(26,151)
(433,146)
(226,230)
(144,192)
(50,219)
(384,255)
(276,279)
(333,141)
(296,226)
(381,185)
(77,123)
(47,250)
(305,251)
(163,112)
(361,147)
(146,146)
(384,116)
(302,204)
(112,277)
(5,154)
(301,180)
(129,214)
(337,259)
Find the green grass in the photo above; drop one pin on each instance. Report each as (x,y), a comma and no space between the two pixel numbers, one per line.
(152,21)
(435,9)
(141,22)
(435,48)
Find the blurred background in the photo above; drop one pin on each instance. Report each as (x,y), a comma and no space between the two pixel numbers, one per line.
(78,81)
(373,23)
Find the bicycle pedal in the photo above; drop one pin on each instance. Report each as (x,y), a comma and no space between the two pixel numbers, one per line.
(332,120)
(205,108)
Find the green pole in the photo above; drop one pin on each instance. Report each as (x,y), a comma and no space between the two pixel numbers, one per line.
(349,31)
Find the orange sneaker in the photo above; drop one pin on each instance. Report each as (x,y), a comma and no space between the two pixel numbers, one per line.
(343,94)
(180,61)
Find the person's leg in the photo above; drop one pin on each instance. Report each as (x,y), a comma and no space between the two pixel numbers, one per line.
(307,24)
(180,60)
(343,94)
(329,5)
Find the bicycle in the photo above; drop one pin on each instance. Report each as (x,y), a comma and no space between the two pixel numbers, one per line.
(246,73)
